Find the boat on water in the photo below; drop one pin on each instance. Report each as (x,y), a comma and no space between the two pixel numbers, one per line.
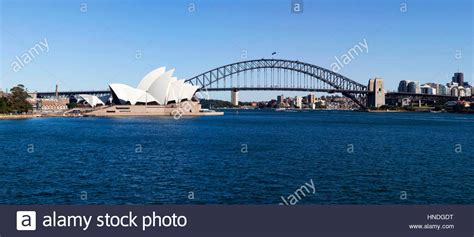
(206,111)
(286,110)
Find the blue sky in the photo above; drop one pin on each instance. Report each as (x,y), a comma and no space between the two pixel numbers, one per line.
(88,50)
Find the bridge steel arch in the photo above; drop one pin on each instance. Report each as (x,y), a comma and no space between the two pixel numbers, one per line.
(315,79)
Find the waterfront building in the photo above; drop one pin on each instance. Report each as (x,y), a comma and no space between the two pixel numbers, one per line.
(462,91)
(34,103)
(428,89)
(311,99)
(158,87)
(298,102)
(280,99)
(442,90)
(425,89)
(124,94)
(52,105)
(454,91)
(305,100)
(272,103)
(468,91)
(433,85)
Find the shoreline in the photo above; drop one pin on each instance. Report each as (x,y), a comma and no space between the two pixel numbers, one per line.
(17,116)
(56,115)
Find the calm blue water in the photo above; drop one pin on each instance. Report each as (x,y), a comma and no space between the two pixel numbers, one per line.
(392,153)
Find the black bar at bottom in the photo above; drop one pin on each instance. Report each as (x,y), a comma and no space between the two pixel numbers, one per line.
(237,220)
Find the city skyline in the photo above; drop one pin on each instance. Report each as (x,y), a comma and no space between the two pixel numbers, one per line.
(88,48)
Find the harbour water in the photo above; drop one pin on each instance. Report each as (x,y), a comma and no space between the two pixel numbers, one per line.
(243,157)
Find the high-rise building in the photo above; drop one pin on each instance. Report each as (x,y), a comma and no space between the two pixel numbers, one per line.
(458,78)
(311,99)
(413,87)
(442,90)
(280,99)
(403,86)
(299,102)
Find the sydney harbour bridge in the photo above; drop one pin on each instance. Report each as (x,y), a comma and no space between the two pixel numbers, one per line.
(269,75)
(279,75)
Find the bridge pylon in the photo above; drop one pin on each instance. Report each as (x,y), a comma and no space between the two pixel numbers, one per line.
(234,97)
(376,95)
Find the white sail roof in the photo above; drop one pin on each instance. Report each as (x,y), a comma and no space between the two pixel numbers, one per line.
(188,91)
(92,100)
(174,93)
(146,82)
(157,86)
(132,95)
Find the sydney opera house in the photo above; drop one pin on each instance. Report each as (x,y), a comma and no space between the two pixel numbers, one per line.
(158,93)
(158,87)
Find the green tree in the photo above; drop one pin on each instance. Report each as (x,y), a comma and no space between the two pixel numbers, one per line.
(4,108)
(18,100)
(215,104)
(72,105)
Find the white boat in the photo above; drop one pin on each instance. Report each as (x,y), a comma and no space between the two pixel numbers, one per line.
(207,111)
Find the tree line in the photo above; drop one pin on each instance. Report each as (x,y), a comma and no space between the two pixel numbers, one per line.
(15,102)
